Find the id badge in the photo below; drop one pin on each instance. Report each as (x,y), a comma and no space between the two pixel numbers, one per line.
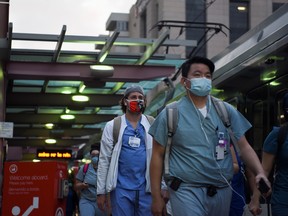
(219,152)
(134,142)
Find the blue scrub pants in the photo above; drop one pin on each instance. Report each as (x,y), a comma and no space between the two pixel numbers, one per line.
(130,202)
(89,208)
(189,200)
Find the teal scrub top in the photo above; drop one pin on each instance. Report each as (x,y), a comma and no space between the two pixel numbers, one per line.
(193,149)
(280,184)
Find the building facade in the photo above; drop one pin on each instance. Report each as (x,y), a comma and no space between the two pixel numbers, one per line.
(213,24)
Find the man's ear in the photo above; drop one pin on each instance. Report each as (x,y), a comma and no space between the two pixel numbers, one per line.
(183,81)
(124,101)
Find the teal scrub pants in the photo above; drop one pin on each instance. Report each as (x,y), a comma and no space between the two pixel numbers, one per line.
(89,208)
(189,200)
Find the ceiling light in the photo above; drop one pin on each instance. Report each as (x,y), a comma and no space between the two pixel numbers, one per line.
(101,67)
(66,92)
(49,125)
(82,87)
(50,141)
(241,8)
(269,75)
(67,117)
(80,98)
(274,83)
(100,71)
(103,57)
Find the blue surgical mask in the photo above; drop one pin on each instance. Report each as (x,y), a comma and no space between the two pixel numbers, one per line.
(94,160)
(200,86)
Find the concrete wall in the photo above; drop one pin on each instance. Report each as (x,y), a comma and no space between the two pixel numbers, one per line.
(259,10)
(218,12)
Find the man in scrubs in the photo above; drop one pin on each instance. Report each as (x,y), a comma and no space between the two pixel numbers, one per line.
(124,166)
(200,160)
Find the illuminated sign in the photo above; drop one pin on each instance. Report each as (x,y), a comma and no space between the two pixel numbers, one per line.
(54,154)
(6,129)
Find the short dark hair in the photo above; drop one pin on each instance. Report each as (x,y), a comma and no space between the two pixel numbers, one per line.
(185,67)
(93,148)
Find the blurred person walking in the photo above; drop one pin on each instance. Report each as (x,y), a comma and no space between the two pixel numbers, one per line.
(86,179)
(275,155)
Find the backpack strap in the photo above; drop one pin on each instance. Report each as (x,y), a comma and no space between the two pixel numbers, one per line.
(116,129)
(224,116)
(150,119)
(172,121)
(85,168)
(282,135)
(117,124)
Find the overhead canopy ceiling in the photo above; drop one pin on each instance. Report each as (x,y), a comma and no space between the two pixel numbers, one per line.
(39,79)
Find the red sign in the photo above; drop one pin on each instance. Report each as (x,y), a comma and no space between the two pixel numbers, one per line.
(33,189)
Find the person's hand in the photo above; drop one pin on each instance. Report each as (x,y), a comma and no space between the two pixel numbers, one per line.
(101,202)
(266,181)
(254,206)
(165,195)
(158,206)
(85,186)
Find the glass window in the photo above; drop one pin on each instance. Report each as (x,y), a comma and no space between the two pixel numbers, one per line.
(276,6)
(195,12)
(239,19)
(122,25)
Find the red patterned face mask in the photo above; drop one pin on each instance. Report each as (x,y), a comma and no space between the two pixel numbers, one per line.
(135,105)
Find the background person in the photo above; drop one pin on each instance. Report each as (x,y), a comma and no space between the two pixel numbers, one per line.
(276,153)
(72,200)
(86,185)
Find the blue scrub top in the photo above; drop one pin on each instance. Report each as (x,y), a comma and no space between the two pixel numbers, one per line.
(132,160)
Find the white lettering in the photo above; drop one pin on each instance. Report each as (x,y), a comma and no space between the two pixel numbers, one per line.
(40,177)
(19,178)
